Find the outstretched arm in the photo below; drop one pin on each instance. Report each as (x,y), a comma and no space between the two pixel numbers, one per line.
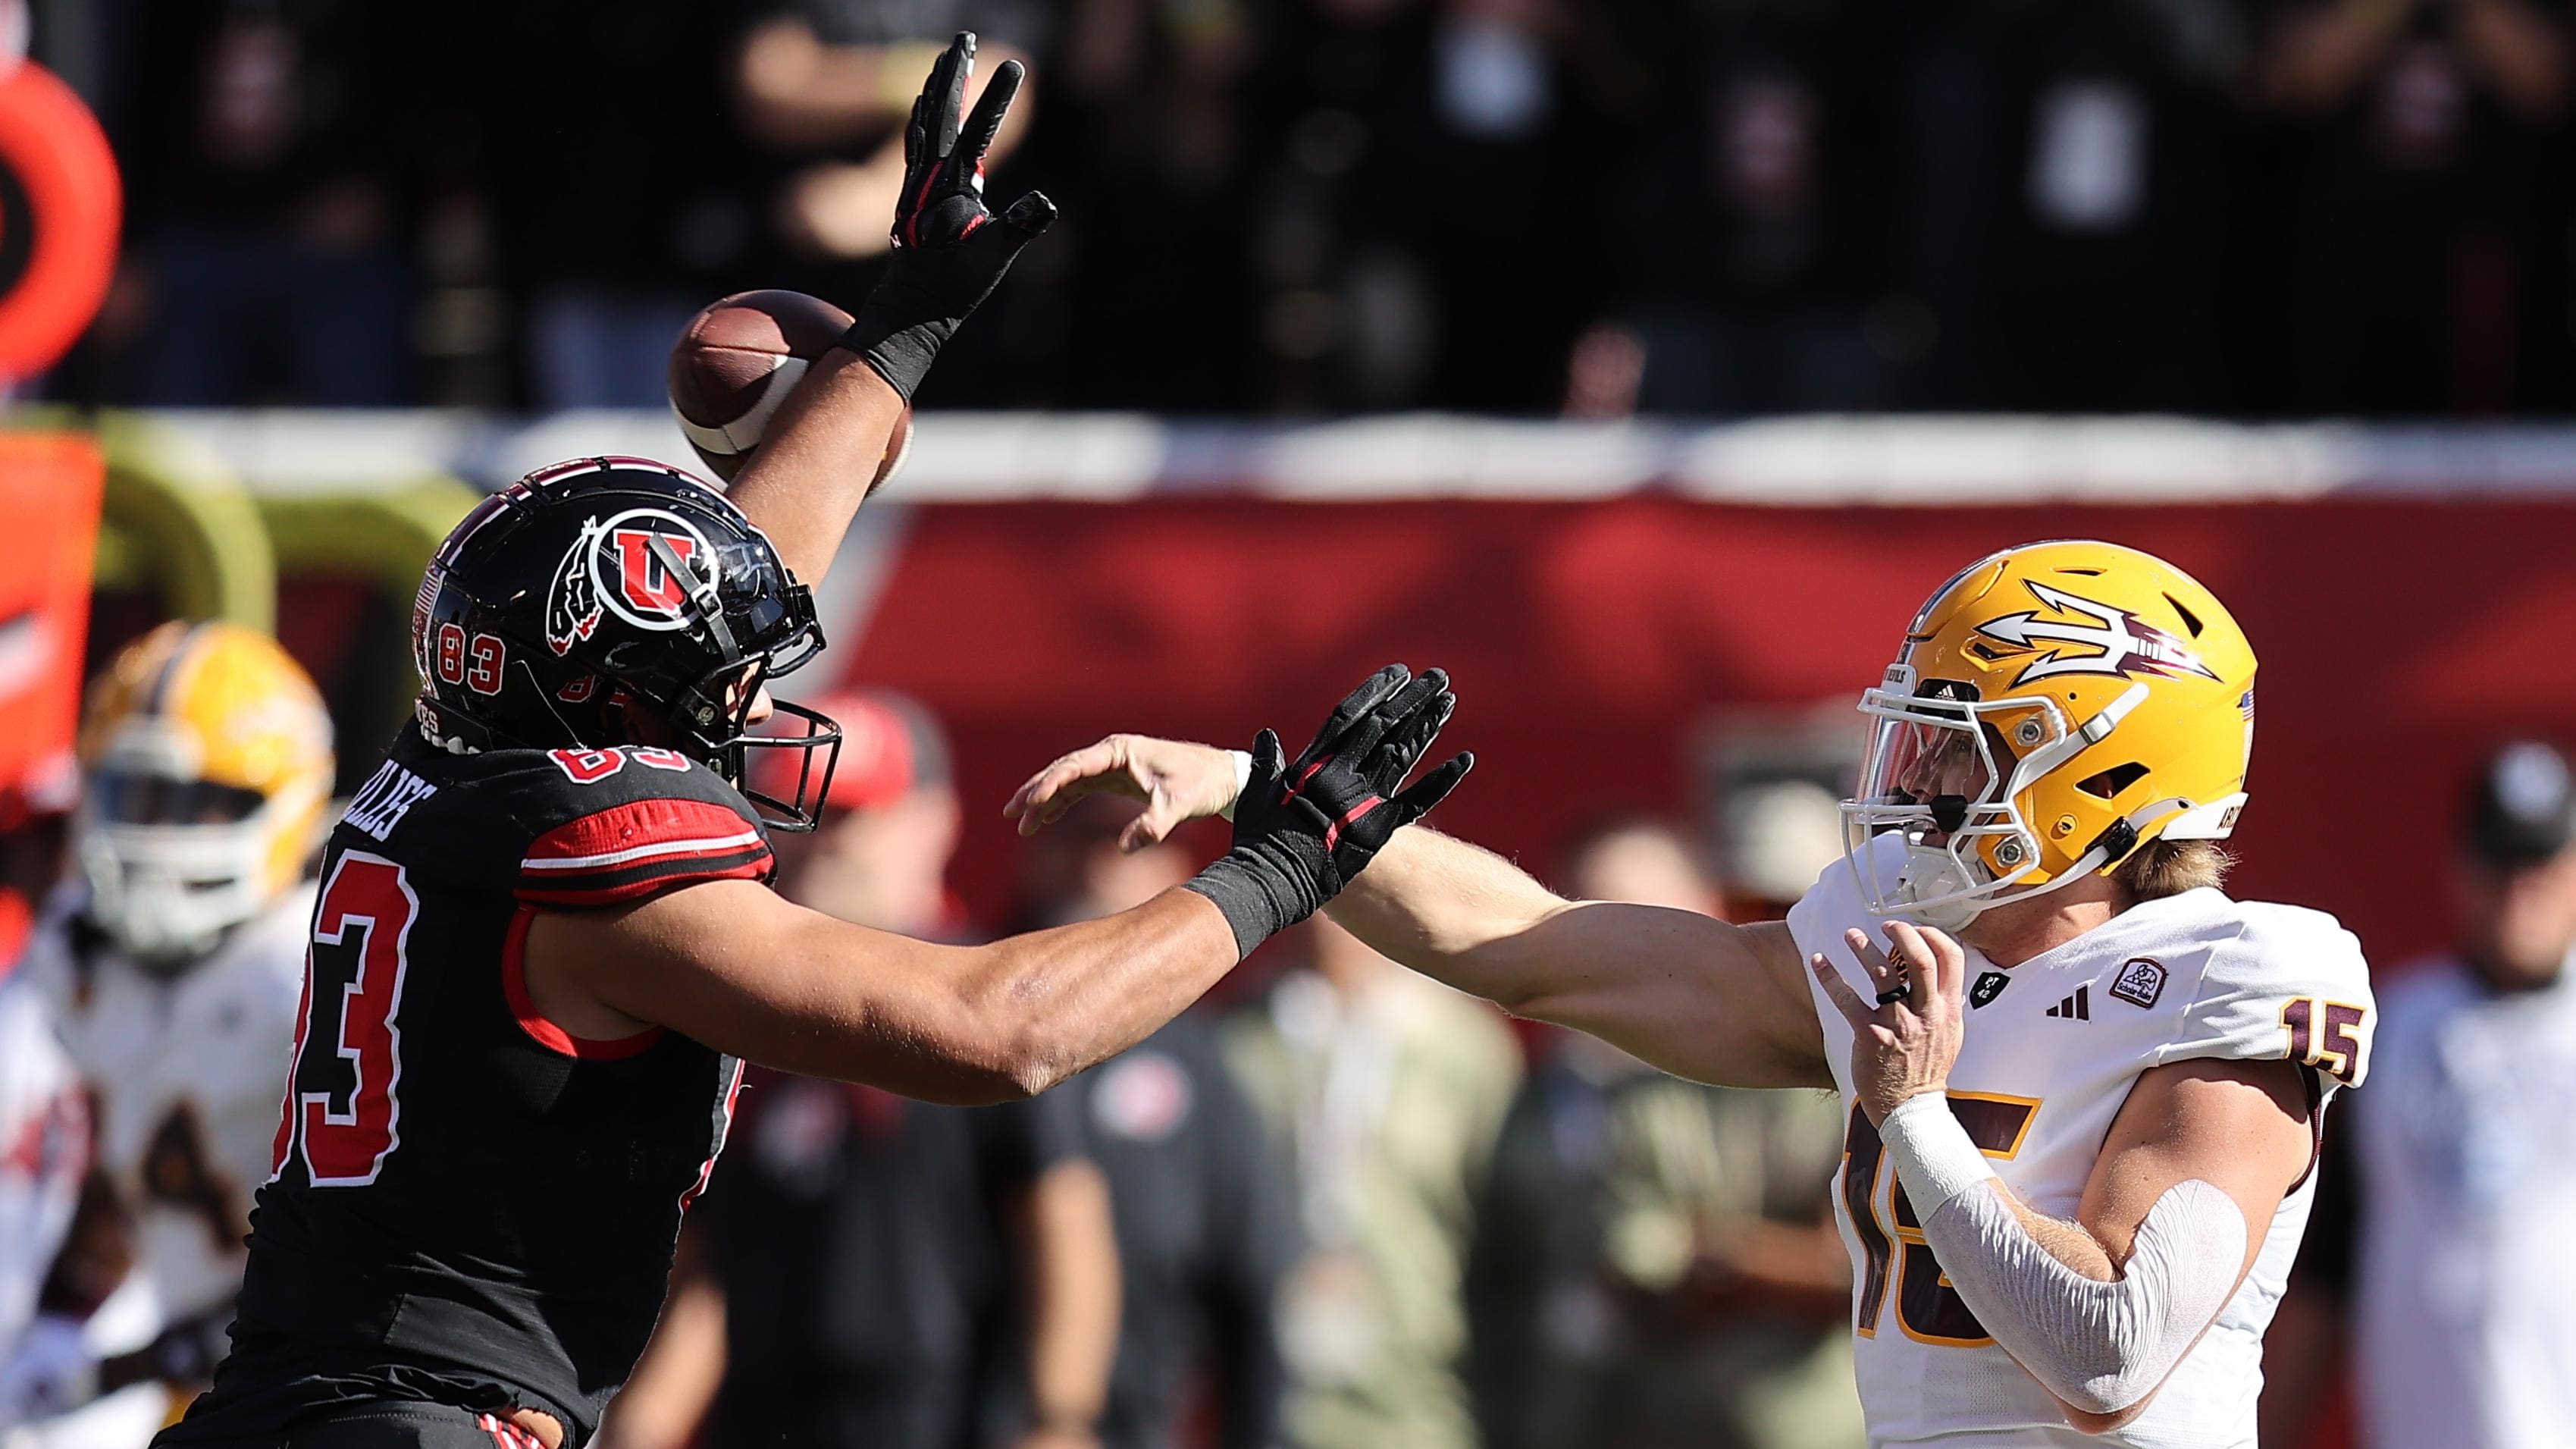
(736,966)
(1695,996)
(821,453)
(733,965)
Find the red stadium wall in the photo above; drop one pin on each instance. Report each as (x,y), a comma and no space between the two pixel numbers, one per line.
(2398,639)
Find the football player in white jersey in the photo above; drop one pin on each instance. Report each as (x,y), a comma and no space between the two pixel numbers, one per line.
(175,966)
(2083,1086)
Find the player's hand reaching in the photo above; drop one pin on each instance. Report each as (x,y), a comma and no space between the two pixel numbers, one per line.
(1177,780)
(950,251)
(1301,831)
(1904,1044)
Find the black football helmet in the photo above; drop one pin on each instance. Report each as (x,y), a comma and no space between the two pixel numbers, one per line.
(592,587)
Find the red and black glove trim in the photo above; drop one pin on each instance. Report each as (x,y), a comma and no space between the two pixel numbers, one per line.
(949,252)
(1302,832)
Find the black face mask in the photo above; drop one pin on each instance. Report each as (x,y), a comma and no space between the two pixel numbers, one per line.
(801,808)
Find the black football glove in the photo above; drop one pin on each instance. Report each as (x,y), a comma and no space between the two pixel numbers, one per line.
(949,252)
(1302,832)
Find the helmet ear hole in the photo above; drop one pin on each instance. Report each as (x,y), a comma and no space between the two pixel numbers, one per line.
(2107,784)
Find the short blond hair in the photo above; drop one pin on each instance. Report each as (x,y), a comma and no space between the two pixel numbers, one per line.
(2162,868)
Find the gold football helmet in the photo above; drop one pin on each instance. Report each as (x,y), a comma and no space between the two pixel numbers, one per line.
(206,762)
(2054,707)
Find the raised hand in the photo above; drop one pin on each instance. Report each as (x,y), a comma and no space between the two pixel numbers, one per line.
(950,251)
(1905,1043)
(1177,781)
(1302,832)
(1349,777)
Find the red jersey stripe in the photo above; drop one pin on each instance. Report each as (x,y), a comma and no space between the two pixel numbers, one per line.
(544,1032)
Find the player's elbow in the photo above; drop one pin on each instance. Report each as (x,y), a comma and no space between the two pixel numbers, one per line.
(2103,1419)
(2106,1392)
(1032,1065)
(1019,1052)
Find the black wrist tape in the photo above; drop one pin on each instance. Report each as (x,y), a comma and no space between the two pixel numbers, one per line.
(1260,898)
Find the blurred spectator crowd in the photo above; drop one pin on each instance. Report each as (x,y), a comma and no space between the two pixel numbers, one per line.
(1592,207)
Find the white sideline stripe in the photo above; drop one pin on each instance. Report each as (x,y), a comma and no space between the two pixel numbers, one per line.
(1901,461)
(640,852)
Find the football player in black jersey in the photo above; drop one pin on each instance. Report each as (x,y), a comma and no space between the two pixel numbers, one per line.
(545,943)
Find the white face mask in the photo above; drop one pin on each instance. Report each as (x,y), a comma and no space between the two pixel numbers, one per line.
(1934,776)
(173,864)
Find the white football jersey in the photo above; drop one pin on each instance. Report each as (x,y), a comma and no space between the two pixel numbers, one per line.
(2052,1048)
(2468,1241)
(44,1146)
(187,1070)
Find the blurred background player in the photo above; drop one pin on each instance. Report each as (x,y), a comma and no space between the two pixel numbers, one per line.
(1385,1091)
(871,1271)
(44,1117)
(174,969)
(1206,1222)
(2446,1253)
(1654,1266)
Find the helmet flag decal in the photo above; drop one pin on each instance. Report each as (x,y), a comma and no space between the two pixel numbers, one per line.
(572,605)
(2110,640)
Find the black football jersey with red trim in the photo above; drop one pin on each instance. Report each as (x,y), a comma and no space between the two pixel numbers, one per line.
(468,1203)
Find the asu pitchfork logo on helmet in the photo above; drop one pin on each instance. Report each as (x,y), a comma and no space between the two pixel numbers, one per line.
(2054,707)
(2080,636)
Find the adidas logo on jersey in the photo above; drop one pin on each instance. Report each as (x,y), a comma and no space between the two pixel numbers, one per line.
(2078,1007)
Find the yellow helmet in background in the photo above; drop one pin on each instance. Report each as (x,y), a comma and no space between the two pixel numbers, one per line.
(206,765)
(2054,707)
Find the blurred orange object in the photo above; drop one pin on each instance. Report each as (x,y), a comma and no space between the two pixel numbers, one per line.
(50,490)
(59,210)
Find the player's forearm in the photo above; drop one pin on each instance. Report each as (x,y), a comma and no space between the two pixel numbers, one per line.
(814,466)
(1056,1002)
(1071,1257)
(2100,1337)
(1456,912)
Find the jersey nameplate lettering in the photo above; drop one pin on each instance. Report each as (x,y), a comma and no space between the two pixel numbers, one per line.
(388,794)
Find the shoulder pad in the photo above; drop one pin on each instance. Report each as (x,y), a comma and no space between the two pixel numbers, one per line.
(2287,984)
(565,827)
(610,826)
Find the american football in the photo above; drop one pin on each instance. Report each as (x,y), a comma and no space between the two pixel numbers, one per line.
(739,358)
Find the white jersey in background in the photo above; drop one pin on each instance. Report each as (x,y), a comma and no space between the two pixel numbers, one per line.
(2467,1152)
(44,1147)
(185,1070)
(2052,1048)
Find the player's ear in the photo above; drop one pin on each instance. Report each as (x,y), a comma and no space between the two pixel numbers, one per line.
(643,726)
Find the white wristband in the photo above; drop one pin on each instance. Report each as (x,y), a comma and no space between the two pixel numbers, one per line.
(1934,1157)
(1242,777)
